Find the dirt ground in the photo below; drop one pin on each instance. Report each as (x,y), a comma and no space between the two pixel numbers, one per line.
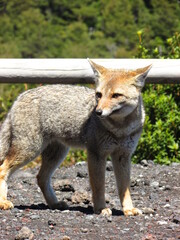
(155,189)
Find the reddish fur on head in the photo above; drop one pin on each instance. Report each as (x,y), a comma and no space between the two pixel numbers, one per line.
(124,84)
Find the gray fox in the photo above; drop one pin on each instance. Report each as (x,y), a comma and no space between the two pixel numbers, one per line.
(106,121)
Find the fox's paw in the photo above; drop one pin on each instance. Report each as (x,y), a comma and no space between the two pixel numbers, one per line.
(60,205)
(103,211)
(5,204)
(132,212)
(106,212)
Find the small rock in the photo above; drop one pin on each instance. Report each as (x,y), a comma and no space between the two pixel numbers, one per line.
(167,205)
(34,217)
(52,223)
(89,217)
(24,233)
(148,210)
(144,163)
(109,166)
(150,162)
(63,185)
(133,182)
(154,184)
(80,163)
(84,230)
(149,237)
(109,218)
(81,174)
(65,211)
(80,197)
(162,222)
(65,238)
(167,187)
(146,182)
(107,198)
(176,219)
(115,202)
(175,164)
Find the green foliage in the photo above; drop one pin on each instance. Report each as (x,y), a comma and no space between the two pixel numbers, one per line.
(75,156)
(61,28)
(8,93)
(160,139)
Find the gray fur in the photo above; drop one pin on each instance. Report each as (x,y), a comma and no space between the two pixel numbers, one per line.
(5,137)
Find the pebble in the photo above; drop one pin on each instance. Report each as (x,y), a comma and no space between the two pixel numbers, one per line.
(175,164)
(65,238)
(84,230)
(167,205)
(133,182)
(146,182)
(65,211)
(51,223)
(144,162)
(82,174)
(81,197)
(167,187)
(109,218)
(89,217)
(109,166)
(24,233)
(63,185)
(154,184)
(176,219)
(148,210)
(80,163)
(150,162)
(34,217)
(162,222)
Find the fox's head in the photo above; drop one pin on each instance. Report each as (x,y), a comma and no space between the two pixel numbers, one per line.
(118,91)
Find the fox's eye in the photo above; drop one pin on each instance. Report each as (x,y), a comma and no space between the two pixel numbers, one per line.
(116,95)
(98,95)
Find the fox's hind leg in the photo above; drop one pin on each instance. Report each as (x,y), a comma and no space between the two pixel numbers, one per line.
(4,172)
(52,156)
(15,158)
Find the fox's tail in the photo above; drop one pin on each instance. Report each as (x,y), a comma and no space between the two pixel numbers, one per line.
(5,138)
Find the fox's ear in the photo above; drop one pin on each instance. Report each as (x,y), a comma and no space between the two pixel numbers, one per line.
(140,76)
(97,69)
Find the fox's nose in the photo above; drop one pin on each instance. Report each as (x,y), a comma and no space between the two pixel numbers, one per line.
(99,112)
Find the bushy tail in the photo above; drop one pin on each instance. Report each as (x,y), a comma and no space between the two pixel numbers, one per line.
(5,138)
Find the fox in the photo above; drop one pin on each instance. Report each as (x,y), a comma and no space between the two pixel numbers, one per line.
(47,120)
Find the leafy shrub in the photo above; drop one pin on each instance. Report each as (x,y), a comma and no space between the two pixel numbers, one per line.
(160,140)
(8,93)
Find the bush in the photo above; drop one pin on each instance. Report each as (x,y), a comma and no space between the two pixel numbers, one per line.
(160,140)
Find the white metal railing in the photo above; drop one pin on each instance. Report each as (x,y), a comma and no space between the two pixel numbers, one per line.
(70,71)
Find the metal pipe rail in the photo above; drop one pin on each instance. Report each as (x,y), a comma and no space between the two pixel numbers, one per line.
(70,71)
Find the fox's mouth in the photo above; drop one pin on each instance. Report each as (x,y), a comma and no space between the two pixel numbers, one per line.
(106,113)
(118,110)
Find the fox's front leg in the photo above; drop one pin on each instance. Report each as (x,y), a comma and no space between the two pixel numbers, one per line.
(122,169)
(97,167)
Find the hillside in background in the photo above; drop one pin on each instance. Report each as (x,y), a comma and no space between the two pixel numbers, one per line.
(75,29)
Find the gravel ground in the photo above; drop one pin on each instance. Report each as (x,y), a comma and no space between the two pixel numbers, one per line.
(155,189)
